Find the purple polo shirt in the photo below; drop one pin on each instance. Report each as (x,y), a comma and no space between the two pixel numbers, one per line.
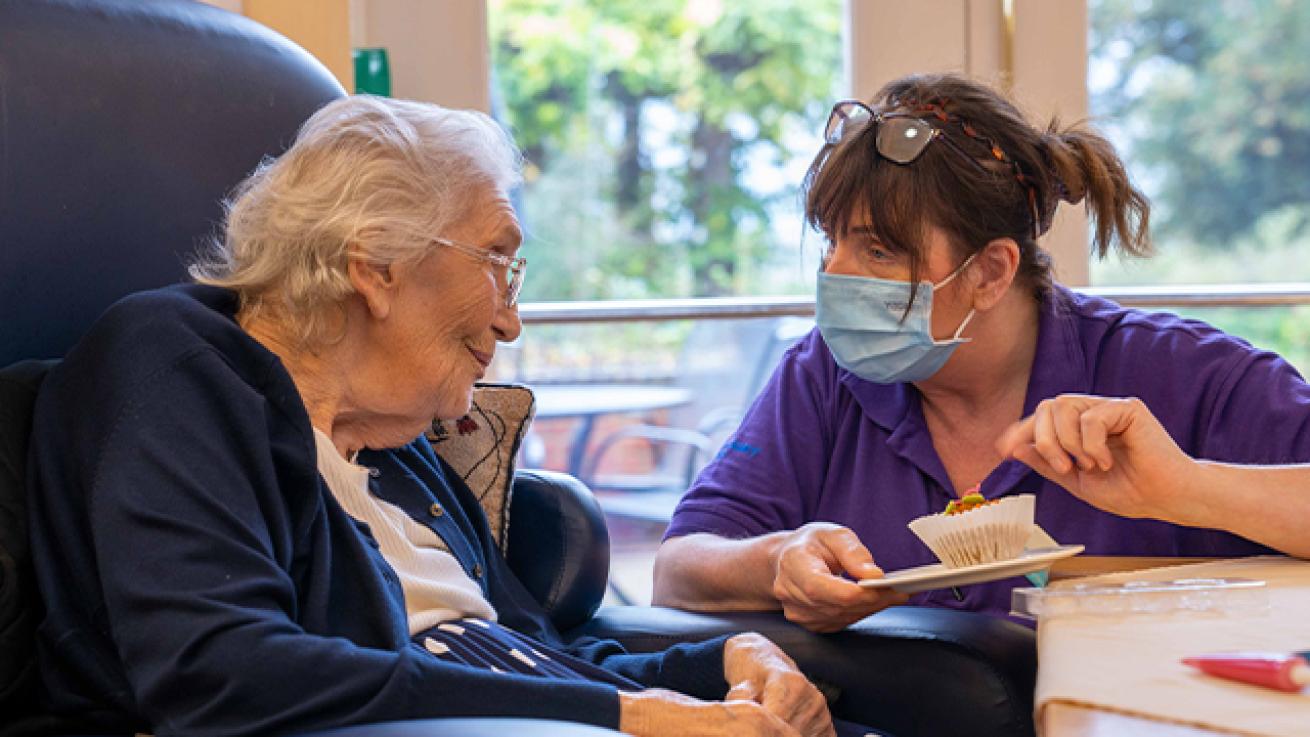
(820,443)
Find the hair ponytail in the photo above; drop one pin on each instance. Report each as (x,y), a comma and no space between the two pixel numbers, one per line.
(1018,178)
(1087,168)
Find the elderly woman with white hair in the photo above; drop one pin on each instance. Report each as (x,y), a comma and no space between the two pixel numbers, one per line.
(237,526)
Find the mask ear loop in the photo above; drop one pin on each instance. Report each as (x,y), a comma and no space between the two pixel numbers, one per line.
(972,311)
(967,318)
(955,273)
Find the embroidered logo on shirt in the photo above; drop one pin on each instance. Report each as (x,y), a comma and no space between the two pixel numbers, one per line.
(736,446)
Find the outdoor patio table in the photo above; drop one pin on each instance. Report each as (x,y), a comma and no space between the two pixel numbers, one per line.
(587,402)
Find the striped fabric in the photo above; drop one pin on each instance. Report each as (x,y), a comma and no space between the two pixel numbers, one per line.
(483,644)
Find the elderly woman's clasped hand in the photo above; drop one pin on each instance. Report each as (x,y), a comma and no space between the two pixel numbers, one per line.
(768,696)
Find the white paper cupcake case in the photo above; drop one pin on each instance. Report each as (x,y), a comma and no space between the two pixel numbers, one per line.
(981,535)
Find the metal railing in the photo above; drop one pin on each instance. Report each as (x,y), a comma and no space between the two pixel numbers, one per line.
(728,308)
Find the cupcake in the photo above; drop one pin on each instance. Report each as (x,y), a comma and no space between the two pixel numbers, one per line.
(975,530)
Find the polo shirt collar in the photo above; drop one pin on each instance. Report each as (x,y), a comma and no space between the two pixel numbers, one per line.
(1059,363)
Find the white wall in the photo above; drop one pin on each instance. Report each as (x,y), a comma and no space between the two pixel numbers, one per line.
(229,5)
(438,49)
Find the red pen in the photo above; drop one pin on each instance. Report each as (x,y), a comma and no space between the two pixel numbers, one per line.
(1283,671)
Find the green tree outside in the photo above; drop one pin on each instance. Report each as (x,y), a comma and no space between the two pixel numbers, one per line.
(641,120)
(1211,104)
(1214,101)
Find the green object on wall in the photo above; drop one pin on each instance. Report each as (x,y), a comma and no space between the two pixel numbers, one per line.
(372,72)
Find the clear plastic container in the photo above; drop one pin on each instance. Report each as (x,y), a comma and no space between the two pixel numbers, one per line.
(1242,596)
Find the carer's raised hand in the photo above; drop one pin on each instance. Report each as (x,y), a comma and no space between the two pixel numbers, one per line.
(808,580)
(1112,453)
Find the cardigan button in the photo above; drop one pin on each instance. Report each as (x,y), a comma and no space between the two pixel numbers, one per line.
(477,570)
(435,510)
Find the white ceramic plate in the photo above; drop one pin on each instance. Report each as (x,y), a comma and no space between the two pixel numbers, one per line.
(938,576)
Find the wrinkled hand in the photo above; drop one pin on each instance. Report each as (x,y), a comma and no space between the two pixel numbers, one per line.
(1111,453)
(808,578)
(659,713)
(758,670)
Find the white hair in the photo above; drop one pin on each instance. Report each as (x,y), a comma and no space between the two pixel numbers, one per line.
(371,175)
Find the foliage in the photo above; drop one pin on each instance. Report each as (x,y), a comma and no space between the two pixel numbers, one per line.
(1213,103)
(644,122)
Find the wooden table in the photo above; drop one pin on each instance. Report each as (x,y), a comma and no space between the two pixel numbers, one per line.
(1095,565)
(587,402)
(1067,720)
(1070,711)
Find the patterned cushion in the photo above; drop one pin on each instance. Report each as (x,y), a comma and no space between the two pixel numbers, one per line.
(482,445)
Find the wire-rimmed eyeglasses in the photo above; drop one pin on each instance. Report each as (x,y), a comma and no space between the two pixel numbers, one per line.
(900,138)
(514,267)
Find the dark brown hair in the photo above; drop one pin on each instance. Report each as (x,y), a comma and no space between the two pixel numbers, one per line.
(974,205)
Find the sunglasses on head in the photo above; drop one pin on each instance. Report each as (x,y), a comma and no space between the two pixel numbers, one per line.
(901,138)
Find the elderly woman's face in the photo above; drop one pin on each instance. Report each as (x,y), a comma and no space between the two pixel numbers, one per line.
(443,318)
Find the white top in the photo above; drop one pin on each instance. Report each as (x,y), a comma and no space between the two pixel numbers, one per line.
(436,587)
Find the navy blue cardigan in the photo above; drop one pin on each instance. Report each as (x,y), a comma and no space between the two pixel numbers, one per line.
(199,578)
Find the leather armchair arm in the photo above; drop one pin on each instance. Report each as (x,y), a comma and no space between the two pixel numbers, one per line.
(907,670)
(559,546)
(452,727)
(479,727)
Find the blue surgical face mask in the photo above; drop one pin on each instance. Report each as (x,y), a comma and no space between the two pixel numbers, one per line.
(860,320)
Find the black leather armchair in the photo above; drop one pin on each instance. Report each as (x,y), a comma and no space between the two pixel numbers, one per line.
(122,125)
(906,671)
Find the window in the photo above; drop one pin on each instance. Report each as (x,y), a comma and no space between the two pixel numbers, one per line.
(1213,118)
(665,140)
(665,143)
